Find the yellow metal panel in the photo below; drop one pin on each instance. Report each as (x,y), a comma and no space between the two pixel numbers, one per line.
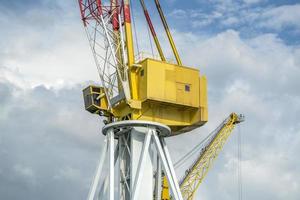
(155,80)
(171,83)
(203,98)
(142,80)
(170,94)
(189,78)
(180,92)
(133,76)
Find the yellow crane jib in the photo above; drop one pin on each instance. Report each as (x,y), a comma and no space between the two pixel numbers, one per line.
(200,167)
(152,30)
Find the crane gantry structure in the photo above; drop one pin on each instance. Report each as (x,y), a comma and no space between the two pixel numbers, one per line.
(143,101)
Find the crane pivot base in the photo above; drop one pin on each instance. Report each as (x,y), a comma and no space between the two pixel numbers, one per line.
(136,152)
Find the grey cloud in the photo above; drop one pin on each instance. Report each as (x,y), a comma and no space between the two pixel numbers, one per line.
(281,17)
(5,92)
(46,154)
(42,42)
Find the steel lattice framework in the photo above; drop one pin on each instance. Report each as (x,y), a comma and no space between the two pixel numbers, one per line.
(103,24)
(197,172)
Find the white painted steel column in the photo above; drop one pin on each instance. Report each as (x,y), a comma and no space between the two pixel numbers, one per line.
(95,184)
(124,162)
(166,166)
(141,166)
(158,179)
(141,179)
(111,164)
(103,189)
(173,174)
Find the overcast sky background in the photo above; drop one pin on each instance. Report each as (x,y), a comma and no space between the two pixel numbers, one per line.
(249,50)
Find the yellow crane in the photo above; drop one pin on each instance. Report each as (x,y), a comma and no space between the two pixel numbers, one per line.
(209,152)
(150,89)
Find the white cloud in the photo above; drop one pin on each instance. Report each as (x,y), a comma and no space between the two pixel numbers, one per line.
(230,21)
(281,17)
(24,171)
(250,15)
(13,76)
(253,1)
(178,13)
(256,77)
(47,47)
(265,60)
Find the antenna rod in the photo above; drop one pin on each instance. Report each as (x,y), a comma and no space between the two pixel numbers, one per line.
(151,27)
(163,19)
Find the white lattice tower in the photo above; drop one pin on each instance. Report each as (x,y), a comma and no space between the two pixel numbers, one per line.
(136,153)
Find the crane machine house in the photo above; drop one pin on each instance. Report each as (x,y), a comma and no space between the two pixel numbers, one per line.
(167,93)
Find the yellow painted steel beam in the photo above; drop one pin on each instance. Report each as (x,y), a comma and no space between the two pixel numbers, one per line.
(170,38)
(165,193)
(128,33)
(199,170)
(117,38)
(130,50)
(152,30)
(204,162)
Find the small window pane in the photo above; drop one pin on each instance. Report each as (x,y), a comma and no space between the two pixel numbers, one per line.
(187,88)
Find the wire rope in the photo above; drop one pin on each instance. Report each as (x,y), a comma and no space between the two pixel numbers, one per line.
(198,146)
(150,41)
(240,181)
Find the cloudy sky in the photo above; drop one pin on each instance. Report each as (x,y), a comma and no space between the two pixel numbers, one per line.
(249,50)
